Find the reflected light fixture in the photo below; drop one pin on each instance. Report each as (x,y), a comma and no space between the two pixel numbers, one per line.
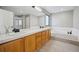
(37,8)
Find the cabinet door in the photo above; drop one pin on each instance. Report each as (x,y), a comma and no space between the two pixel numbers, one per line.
(30,43)
(13,46)
(49,34)
(43,37)
(1,48)
(38,41)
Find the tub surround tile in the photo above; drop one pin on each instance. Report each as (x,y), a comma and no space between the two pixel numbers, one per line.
(61,32)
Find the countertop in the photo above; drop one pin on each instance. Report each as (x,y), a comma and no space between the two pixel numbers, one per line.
(24,32)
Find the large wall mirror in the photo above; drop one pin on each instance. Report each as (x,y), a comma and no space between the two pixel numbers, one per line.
(21,22)
(44,20)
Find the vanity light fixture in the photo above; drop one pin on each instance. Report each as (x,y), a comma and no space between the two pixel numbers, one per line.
(37,8)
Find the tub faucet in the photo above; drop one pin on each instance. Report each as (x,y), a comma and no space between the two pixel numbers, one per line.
(70,32)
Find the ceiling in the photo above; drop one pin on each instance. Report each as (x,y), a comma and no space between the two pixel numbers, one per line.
(23,10)
(26,10)
(56,9)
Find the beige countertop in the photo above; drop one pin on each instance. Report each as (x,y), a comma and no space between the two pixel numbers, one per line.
(24,32)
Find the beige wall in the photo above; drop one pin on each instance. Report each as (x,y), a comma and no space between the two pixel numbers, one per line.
(76,18)
(62,19)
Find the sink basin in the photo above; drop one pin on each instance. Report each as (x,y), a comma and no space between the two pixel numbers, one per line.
(12,33)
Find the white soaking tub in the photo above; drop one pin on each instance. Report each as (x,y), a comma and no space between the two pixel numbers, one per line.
(63,34)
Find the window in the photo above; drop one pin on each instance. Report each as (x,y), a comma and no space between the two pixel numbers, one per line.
(46,20)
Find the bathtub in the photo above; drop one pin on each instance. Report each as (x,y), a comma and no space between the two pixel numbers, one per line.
(62,33)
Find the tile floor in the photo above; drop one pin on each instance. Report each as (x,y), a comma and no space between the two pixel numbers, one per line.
(60,45)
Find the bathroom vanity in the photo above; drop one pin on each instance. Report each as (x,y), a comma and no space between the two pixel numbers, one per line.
(25,41)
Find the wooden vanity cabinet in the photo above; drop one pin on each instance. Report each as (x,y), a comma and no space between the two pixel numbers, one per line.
(12,46)
(29,43)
